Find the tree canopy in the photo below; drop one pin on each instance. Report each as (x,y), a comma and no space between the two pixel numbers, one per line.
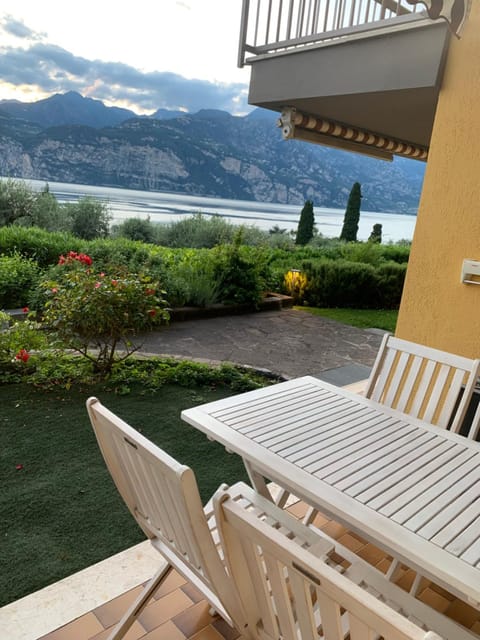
(306,224)
(352,214)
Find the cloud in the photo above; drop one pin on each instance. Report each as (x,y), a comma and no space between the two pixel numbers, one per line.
(19,29)
(50,68)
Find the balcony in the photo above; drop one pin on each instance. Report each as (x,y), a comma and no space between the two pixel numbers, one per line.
(338,68)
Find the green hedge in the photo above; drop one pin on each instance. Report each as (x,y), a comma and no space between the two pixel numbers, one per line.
(356,275)
(42,246)
(341,283)
(18,277)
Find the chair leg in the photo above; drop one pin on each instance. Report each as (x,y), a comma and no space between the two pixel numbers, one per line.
(310,516)
(139,604)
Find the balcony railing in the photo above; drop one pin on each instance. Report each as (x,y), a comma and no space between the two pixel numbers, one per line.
(275,26)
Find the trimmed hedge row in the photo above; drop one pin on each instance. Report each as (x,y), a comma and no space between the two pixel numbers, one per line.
(341,283)
(355,275)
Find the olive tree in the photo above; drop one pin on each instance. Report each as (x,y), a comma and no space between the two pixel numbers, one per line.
(89,218)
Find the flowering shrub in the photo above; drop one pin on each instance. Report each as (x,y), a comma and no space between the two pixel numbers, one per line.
(96,314)
(73,256)
(17,341)
(22,355)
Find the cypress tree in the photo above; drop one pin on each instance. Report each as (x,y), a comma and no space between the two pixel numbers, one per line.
(352,215)
(305,224)
(376,235)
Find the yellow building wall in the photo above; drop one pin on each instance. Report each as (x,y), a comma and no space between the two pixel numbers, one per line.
(436,309)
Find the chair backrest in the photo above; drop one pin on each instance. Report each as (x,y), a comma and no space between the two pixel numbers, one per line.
(288,592)
(426,383)
(163,497)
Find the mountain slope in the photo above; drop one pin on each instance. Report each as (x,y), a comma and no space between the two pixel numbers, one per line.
(67,108)
(210,153)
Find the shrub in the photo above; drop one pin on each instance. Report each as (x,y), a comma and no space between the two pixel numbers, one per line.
(18,276)
(241,273)
(17,341)
(193,279)
(196,231)
(199,231)
(42,246)
(86,309)
(391,278)
(136,229)
(365,252)
(342,284)
(353,284)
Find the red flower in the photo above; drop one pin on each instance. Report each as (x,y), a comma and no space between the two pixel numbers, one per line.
(114,283)
(152,312)
(19,467)
(22,355)
(25,309)
(82,257)
(149,292)
(73,255)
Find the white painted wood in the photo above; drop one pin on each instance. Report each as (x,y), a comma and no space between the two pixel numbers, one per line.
(439,467)
(163,497)
(423,382)
(289,592)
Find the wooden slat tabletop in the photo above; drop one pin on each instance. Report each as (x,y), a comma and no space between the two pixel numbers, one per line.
(408,486)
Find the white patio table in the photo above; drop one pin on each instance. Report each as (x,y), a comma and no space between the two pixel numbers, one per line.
(409,487)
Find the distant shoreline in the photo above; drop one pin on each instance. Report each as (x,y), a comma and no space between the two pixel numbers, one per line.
(164,207)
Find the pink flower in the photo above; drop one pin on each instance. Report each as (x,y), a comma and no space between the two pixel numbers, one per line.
(101,274)
(54,290)
(19,467)
(25,309)
(97,285)
(114,283)
(22,355)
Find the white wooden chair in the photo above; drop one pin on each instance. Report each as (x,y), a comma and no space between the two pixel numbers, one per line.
(425,383)
(288,591)
(163,497)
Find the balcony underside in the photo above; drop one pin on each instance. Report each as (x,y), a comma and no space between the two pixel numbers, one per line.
(384,83)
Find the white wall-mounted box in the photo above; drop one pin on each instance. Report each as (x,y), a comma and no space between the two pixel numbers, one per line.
(470,271)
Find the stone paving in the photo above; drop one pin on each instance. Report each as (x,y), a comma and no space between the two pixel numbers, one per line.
(289,343)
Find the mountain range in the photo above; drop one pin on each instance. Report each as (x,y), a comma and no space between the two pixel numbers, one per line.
(71,138)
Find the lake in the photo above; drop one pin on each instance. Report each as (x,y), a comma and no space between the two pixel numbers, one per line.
(168,207)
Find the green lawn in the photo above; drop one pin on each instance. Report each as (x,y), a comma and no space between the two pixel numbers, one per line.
(59,510)
(363,318)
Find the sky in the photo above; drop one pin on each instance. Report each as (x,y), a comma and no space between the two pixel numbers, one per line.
(141,55)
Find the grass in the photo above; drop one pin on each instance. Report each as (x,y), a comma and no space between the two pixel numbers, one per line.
(364,318)
(60,511)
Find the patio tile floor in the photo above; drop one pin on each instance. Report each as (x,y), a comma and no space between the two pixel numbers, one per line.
(178,612)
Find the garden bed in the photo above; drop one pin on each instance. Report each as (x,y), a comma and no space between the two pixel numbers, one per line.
(270,302)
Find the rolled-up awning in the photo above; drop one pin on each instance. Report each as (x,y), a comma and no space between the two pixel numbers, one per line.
(295,124)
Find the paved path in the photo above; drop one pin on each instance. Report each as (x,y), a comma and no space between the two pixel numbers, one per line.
(289,343)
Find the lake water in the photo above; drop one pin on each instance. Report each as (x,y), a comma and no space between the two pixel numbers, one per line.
(168,207)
